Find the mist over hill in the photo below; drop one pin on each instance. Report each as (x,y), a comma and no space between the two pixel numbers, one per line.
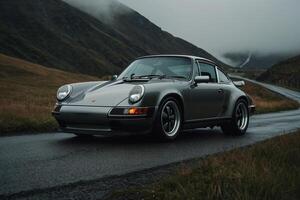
(285,73)
(55,34)
(249,60)
(138,29)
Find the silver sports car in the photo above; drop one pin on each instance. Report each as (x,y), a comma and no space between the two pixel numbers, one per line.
(161,95)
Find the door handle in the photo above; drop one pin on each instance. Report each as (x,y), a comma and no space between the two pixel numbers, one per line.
(220,91)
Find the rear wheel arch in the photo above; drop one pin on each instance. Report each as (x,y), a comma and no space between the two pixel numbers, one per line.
(234,127)
(244,98)
(232,102)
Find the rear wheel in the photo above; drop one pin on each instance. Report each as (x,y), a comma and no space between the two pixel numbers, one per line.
(168,120)
(239,121)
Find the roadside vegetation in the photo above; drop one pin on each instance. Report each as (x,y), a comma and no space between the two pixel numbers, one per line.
(268,170)
(268,101)
(248,73)
(285,74)
(28,94)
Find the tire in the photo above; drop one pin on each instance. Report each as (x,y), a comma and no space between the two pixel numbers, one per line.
(240,120)
(168,120)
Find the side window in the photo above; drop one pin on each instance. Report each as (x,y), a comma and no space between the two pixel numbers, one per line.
(222,77)
(208,70)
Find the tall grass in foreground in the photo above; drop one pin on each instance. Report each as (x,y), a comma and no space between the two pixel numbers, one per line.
(269,170)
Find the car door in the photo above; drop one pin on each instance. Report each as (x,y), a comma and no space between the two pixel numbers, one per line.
(226,87)
(207,98)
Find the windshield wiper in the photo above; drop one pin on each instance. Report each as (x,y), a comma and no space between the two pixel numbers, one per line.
(147,76)
(181,77)
(158,76)
(151,76)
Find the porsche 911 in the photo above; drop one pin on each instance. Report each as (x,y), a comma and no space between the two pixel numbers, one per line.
(160,95)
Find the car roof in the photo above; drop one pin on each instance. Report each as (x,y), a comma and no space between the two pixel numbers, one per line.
(175,55)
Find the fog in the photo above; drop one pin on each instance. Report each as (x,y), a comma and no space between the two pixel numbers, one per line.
(97,8)
(222,26)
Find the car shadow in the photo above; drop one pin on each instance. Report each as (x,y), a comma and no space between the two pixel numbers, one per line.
(185,137)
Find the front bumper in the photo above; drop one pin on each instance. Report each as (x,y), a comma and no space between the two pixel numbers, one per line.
(98,121)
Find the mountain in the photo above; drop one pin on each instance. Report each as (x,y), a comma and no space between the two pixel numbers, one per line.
(254,60)
(285,73)
(142,32)
(57,35)
(28,94)
(54,34)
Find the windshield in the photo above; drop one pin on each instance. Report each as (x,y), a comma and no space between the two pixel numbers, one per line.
(159,66)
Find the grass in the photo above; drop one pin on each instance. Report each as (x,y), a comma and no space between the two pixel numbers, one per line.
(248,73)
(267,101)
(268,170)
(28,94)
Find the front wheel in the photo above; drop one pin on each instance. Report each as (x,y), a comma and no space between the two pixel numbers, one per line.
(239,121)
(168,120)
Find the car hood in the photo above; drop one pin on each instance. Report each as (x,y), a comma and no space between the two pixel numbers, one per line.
(106,94)
(110,94)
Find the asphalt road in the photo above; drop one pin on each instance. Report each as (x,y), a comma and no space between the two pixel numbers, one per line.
(48,160)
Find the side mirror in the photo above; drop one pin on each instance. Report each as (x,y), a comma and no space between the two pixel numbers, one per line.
(114,77)
(202,79)
(239,83)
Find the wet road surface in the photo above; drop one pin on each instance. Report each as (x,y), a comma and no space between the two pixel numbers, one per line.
(47,160)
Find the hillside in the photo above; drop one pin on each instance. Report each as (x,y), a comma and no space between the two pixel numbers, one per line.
(255,61)
(28,94)
(55,34)
(142,32)
(285,73)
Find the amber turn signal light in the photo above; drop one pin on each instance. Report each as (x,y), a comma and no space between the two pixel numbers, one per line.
(136,111)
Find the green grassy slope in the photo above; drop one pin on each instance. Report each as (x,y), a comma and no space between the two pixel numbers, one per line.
(28,94)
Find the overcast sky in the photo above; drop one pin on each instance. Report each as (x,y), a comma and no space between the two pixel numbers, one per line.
(220,26)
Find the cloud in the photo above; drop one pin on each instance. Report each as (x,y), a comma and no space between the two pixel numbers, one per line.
(105,9)
(262,27)
(221,26)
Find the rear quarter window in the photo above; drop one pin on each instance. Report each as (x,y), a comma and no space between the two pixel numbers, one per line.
(222,77)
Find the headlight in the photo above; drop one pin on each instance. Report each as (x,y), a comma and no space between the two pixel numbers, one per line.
(64,92)
(136,93)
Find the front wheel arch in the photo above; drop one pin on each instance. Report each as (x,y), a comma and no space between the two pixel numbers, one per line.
(179,101)
(157,129)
